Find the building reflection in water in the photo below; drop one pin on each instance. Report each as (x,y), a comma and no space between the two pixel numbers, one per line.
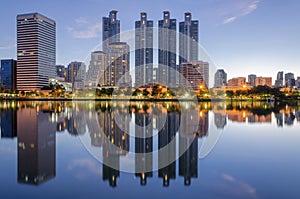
(167,146)
(8,121)
(143,143)
(35,124)
(115,144)
(36,146)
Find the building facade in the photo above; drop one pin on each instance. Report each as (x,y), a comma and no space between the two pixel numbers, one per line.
(237,82)
(8,74)
(194,74)
(143,51)
(289,80)
(72,71)
(188,39)
(167,50)
(110,30)
(252,80)
(36,51)
(96,70)
(117,72)
(220,78)
(263,81)
(61,71)
(279,80)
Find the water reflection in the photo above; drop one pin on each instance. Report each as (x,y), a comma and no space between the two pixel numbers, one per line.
(165,128)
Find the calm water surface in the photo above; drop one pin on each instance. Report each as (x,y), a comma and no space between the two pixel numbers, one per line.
(214,150)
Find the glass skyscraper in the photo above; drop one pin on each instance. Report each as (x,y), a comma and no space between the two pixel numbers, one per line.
(143,51)
(167,50)
(36,51)
(8,74)
(188,39)
(110,30)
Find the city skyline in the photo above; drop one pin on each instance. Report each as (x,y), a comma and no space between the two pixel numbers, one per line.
(226,30)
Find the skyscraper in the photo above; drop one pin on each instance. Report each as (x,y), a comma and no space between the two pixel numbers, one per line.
(220,78)
(289,80)
(252,80)
(279,80)
(36,51)
(117,72)
(95,74)
(188,39)
(143,51)
(110,29)
(8,74)
(167,50)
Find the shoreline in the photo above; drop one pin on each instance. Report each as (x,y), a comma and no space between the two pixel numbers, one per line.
(145,99)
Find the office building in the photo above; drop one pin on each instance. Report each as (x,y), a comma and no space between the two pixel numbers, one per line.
(72,71)
(167,50)
(188,39)
(110,30)
(117,72)
(8,74)
(61,72)
(220,78)
(194,74)
(96,70)
(143,51)
(289,80)
(36,51)
(237,82)
(252,80)
(279,80)
(263,81)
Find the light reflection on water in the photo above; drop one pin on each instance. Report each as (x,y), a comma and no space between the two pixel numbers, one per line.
(53,143)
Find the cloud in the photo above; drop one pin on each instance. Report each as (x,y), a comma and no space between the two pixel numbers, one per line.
(242,185)
(84,29)
(81,20)
(250,8)
(229,20)
(239,9)
(84,168)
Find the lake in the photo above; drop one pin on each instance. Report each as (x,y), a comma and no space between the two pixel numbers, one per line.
(115,149)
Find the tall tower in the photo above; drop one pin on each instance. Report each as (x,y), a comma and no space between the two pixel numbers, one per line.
(110,30)
(167,50)
(36,51)
(95,74)
(117,72)
(188,39)
(143,51)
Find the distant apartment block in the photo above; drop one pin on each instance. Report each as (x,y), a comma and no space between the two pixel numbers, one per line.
(263,81)
(237,82)
(194,74)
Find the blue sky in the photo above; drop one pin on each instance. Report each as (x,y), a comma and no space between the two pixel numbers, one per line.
(241,36)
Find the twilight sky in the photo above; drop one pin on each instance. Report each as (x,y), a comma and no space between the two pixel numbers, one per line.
(241,36)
